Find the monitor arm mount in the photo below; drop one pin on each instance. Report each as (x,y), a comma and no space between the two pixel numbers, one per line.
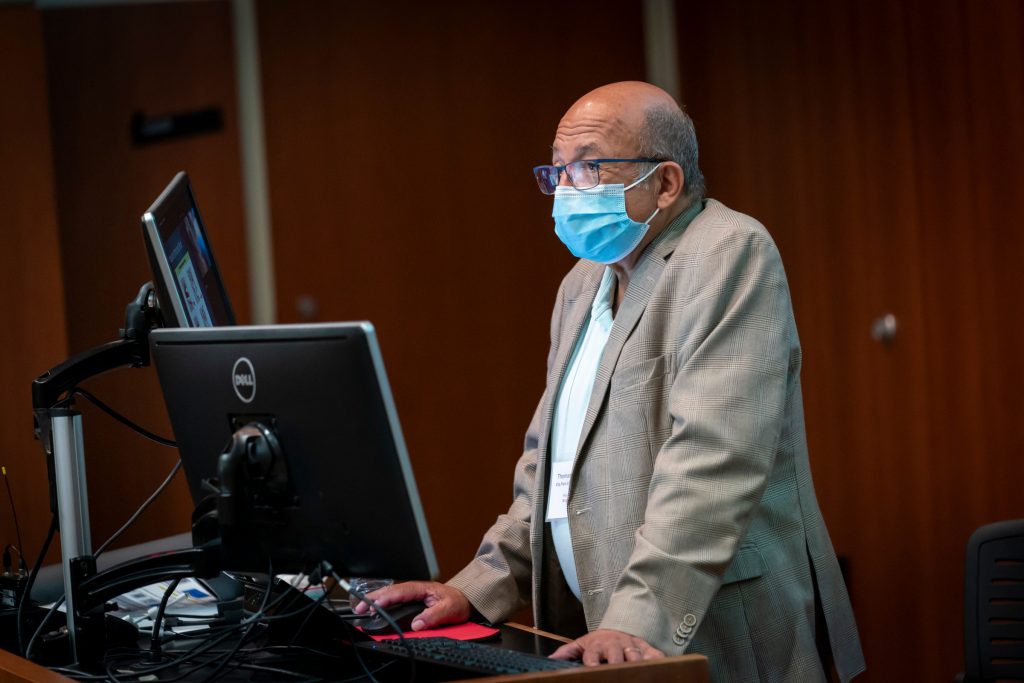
(58,426)
(130,350)
(253,501)
(235,529)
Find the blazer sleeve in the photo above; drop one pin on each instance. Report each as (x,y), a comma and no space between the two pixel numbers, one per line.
(499,579)
(736,344)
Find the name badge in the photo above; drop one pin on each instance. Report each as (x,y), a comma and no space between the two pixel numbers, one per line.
(558,490)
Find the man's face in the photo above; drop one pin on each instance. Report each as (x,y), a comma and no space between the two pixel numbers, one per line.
(597,129)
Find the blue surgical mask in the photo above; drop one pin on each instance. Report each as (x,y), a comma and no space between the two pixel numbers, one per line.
(594,224)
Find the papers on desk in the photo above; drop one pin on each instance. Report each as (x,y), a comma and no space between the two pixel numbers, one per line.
(191,601)
(189,597)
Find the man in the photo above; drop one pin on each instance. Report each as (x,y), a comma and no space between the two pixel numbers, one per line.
(663,503)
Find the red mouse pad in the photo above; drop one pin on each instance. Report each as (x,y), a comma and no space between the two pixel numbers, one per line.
(466,631)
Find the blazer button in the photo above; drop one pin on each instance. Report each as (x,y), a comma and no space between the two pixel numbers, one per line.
(689,620)
(678,639)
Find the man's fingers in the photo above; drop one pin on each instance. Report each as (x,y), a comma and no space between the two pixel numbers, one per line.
(612,653)
(632,654)
(400,592)
(651,652)
(439,614)
(394,594)
(568,651)
(445,605)
(606,645)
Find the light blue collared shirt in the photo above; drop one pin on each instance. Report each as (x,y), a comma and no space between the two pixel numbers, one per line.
(571,410)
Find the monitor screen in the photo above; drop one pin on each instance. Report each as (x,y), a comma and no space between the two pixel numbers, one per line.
(189,287)
(323,392)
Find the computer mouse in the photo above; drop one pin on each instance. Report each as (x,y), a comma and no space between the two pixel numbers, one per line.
(402,613)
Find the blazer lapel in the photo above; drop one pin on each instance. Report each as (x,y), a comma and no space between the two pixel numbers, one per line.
(644,278)
(572,325)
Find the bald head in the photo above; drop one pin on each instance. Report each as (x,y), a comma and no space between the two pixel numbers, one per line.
(630,119)
(624,103)
(607,121)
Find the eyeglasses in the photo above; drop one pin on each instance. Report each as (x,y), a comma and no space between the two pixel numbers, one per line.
(583,174)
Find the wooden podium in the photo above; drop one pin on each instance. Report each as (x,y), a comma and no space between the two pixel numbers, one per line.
(681,669)
(14,669)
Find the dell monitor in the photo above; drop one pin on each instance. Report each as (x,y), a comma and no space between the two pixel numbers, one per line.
(188,284)
(321,390)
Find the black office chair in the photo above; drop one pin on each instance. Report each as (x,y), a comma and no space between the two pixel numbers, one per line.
(994,604)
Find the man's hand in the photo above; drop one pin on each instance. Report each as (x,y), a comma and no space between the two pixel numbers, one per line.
(445,605)
(606,645)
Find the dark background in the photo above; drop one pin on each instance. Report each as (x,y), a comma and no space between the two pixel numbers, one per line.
(879,141)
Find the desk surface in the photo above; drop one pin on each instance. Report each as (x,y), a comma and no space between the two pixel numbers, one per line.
(682,669)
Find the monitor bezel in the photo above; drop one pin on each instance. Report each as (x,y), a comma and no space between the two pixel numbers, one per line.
(161,214)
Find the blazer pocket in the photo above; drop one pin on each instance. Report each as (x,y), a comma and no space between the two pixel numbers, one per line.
(747,564)
(644,371)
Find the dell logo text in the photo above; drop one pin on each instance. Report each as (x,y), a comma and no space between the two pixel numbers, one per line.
(243,380)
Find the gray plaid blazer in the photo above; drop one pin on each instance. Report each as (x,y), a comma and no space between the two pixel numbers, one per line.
(694,520)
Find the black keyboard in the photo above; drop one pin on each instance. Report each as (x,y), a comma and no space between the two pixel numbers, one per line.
(467,656)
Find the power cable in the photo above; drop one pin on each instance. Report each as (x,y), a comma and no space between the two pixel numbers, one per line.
(54,524)
(142,431)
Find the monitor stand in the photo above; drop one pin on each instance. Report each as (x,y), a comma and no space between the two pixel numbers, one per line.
(58,427)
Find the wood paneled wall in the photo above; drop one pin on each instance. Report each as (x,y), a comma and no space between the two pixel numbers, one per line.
(879,142)
(106,64)
(401,138)
(32,337)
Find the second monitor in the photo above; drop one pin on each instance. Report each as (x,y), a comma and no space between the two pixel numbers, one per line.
(187,280)
(340,487)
